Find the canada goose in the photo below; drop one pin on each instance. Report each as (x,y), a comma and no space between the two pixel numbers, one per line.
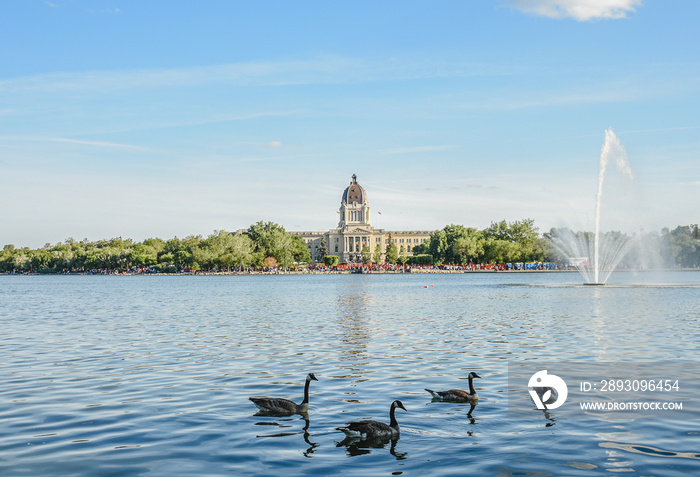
(285,406)
(374,429)
(457,395)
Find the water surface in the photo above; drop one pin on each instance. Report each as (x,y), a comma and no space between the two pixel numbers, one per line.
(151,375)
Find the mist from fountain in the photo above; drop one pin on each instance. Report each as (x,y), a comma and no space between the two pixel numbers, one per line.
(597,254)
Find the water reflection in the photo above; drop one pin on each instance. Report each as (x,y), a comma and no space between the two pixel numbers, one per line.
(354,315)
(648,450)
(354,446)
(304,431)
(548,417)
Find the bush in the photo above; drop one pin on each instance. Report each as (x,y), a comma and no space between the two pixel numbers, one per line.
(331,260)
(422,259)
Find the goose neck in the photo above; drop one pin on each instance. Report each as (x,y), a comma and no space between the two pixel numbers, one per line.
(392,416)
(471,385)
(306,391)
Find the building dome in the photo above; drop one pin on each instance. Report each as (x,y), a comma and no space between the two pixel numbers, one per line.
(354,193)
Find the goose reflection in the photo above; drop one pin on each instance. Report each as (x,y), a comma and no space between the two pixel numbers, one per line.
(549,418)
(354,446)
(469,413)
(304,432)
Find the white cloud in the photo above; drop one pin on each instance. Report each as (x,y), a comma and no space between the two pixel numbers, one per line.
(273,144)
(581,10)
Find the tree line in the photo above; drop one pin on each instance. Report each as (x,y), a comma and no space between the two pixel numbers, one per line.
(269,245)
(501,242)
(264,244)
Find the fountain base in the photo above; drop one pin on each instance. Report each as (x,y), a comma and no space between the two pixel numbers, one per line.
(594,284)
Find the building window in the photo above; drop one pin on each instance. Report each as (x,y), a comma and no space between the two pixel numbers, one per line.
(336,248)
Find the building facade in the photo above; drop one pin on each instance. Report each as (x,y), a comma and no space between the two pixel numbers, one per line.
(355,232)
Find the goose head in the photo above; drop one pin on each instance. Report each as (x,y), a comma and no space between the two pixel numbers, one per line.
(398,403)
(473,375)
(311,377)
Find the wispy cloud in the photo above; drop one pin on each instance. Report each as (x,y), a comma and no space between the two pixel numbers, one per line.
(610,94)
(273,144)
(681,128)
(83,142)
(581,10)
(324,70)
(415,149)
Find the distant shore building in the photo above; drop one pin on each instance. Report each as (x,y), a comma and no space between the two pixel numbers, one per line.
(355,231)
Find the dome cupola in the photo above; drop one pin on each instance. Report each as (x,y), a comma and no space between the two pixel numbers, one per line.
(354,193)
(354,207)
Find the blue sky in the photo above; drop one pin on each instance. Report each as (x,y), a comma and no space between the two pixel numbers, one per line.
(162,119)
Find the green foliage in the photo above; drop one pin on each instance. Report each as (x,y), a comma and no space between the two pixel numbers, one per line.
(683,245)
(392,254)
(300,252)
(366,255)
(501,242)
(322,249)
(331,260)
(272,240)
(377,255)
(422,248)
(403,256)
(454,244)
(422,259)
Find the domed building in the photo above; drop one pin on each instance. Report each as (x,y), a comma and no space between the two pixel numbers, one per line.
(355,232)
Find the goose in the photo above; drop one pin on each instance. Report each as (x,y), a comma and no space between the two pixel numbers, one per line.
(374,429)
(457,395)
(285,406)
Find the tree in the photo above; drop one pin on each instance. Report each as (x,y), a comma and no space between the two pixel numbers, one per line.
(523,237)
(270,262)
(322,249)
(453,244)
(143,255)
(298,249)
(465,244)
(271,240)
(683,244)
(377,255)
(392,254)
(366,255)
(438,246)
(403,256)
(241,251)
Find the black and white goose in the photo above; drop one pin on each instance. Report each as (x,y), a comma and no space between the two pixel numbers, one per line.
(374,429)
(457,395)
(285,406)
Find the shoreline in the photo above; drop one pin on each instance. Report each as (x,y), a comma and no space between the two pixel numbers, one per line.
(335,272)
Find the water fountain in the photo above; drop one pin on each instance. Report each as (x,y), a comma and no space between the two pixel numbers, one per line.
(597,254)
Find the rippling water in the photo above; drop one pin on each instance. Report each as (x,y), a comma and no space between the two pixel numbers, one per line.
(151,374)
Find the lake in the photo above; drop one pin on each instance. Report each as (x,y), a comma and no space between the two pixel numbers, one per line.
(150,375)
